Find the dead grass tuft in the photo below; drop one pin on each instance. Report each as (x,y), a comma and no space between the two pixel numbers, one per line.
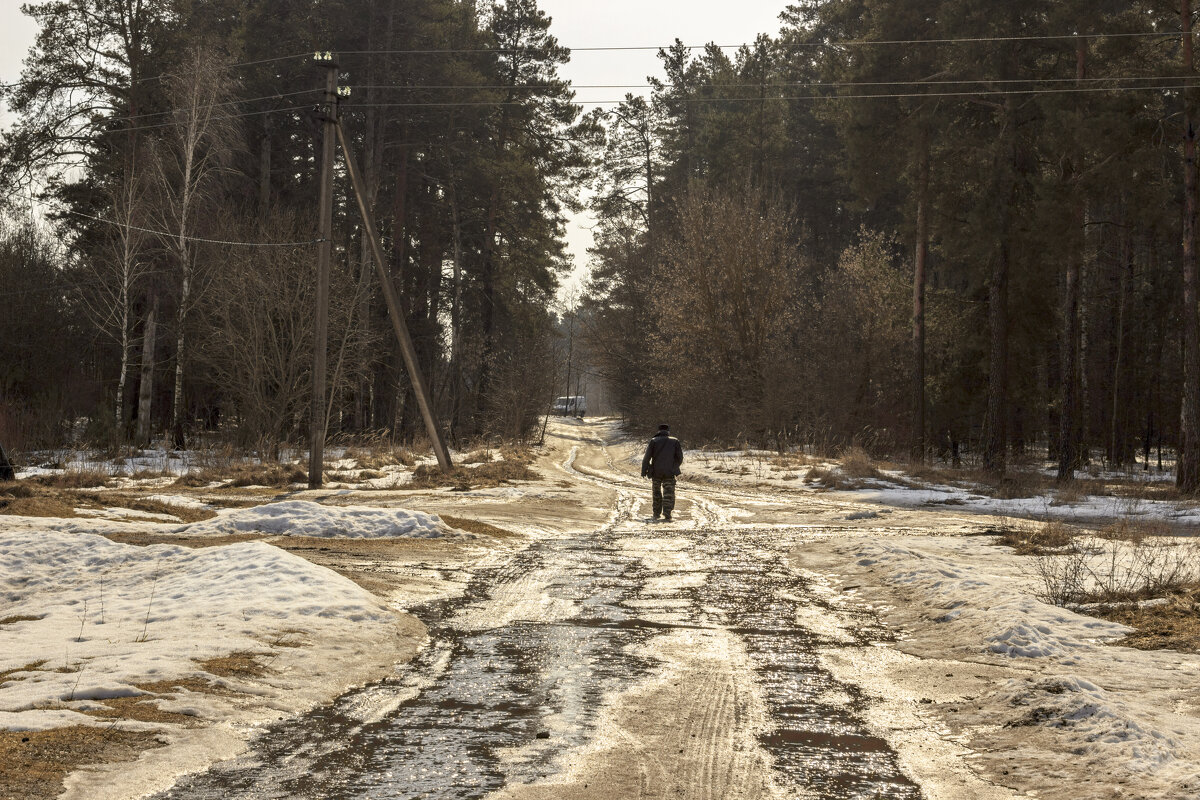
(1038,539)
(430,476)
(140,709)
(831,479)
(36,507)
(74,479)
(234,665)
(1174,625)
(19,618)
(33,666)
(378,459)
(1126,529)
(857,463)
(475,526)
(33,764)
(242,475)
(174,686)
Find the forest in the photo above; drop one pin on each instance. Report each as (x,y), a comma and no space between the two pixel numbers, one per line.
(941,229)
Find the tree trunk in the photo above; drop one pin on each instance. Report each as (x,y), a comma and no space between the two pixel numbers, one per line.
(180,356)
(264,171)
(1069,344)
(995,447)
(146,390)
(919,278)
(1117,451)
(7,473)
(1187,476)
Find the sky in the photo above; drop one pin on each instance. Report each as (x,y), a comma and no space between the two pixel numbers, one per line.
(577,24)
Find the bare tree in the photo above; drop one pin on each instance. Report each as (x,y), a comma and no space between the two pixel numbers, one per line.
(725,303)
(189,164)
(115,273)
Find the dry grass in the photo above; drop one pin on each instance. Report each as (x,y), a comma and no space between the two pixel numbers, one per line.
(43,501)
(141,539)
(36,507)
(1174,625)
(243,475)
(234,665)
(475,526)
(18,618)
(857,463)
(430,476)
(1126,529)
(33,764)
(378,459)
(191,684)
(33,666)
(1037,539)
(140,709)
(74,479)
(831,479)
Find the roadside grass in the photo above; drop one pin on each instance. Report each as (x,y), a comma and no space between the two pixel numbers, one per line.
(33,500)
(140,709)
(513,466)
(376,459)
(1173,625)
(1038,539)
(234,665)
(83,478)
(243,475)
(34,764)
(475,526)
(1131,571)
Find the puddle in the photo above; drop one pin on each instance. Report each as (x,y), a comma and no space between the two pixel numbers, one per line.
(482,708)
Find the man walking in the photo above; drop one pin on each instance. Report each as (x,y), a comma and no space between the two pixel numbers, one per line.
(661,464)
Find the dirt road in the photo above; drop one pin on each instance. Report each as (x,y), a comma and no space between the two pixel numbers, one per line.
(616,658)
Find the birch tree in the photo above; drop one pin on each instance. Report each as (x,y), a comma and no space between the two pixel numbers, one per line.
(189,164)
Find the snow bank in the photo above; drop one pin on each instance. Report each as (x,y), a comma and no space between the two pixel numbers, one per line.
(109,616)
(988,608)
(304,518)
(1118,711)
(1091,720)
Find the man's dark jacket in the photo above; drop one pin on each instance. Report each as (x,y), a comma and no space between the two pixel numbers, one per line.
(663,457)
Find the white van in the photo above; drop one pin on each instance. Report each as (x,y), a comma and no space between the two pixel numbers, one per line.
(573,406)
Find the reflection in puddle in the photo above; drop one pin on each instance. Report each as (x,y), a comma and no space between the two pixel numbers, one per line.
(480,709)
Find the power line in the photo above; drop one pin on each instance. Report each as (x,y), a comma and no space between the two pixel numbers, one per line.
(774,84)
(167,235)
(798,45)
(777,98)
(132,117)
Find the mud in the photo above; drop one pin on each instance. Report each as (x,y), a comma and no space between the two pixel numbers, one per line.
(609,658)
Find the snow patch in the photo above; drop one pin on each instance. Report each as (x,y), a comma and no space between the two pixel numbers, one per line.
(305,518)
(110,616)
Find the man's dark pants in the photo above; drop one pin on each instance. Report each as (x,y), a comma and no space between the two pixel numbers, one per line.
(664,495)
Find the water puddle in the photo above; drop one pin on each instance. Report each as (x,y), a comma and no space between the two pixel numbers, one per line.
(482,708)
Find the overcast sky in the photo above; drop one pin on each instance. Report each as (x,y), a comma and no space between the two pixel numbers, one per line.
(577,24)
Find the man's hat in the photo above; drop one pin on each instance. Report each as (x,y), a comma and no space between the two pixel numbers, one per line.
(664,427)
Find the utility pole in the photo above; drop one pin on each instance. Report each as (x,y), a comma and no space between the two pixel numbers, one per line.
(317,425)
(400,327)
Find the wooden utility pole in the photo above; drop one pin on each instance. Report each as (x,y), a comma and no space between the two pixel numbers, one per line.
(420,388)
(316,461)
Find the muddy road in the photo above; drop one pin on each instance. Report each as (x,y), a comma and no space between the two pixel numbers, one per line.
(610,658)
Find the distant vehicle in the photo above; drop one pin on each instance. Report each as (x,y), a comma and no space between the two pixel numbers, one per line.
(574,406)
